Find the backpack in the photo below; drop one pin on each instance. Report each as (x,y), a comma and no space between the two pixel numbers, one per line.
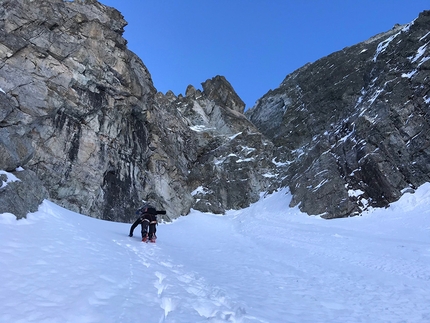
(147,209)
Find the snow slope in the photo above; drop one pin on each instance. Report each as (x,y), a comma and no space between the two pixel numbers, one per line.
(266,263)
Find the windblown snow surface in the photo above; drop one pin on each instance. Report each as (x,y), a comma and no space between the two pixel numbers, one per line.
(266,263)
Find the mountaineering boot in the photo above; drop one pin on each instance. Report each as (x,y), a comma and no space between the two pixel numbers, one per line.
(145,238)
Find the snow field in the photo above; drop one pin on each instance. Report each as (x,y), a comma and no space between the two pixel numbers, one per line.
(266,263)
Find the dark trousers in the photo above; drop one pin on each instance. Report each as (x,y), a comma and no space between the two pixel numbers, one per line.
(144,230)
(152,229)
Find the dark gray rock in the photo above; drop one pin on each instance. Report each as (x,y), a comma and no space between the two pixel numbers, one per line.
(23,195)
(355,124)
(15,143)
(208,151)
(83,114)
(79,112)
(219,90)
(79,98)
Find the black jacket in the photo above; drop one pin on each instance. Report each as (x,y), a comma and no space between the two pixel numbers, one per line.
(147,214)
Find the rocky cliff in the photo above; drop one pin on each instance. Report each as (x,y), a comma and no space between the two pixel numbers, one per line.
(222,160)
(82,124)
(79,112)
(78,101)
(354,126)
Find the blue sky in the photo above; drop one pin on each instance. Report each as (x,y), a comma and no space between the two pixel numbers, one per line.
(254,44)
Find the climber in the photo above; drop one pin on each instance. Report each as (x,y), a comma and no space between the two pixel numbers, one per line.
(147,218)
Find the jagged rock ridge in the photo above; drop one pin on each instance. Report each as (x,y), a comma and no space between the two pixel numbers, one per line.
(354,126)
(81,113)
(209,145)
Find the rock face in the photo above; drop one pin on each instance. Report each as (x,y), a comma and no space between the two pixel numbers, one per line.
(222,160)
(354,126)
(76,102)
(21,192)
(80,111)
(82,124)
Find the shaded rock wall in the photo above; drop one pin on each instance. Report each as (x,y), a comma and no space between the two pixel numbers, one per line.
(80,97)
(82,121)
(80,111)
(209,152)
(354,126)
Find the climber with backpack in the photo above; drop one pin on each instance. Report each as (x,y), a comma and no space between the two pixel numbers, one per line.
(148,219)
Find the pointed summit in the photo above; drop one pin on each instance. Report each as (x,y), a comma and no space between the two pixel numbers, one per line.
(220,90)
